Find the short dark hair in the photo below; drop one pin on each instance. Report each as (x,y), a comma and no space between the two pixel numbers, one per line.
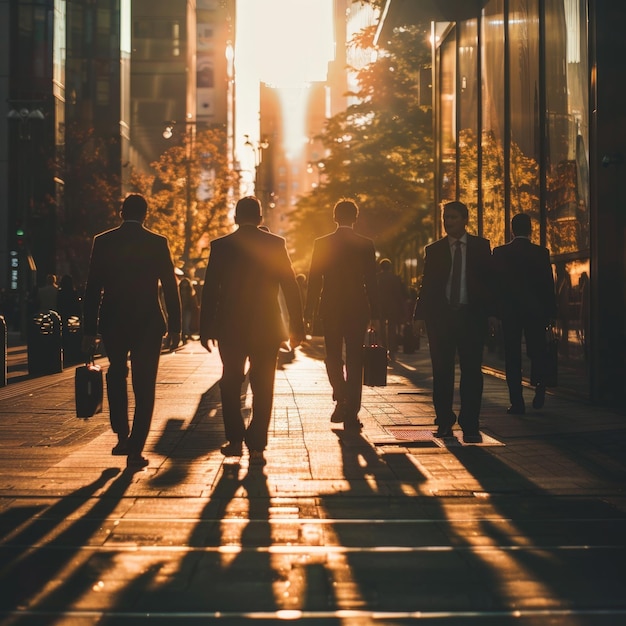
(248,211)
(385,265)
(345,211)
(457,206)
(134,207)
(520,225)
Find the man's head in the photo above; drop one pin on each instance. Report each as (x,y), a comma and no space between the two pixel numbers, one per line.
(134,207)
(345,212)
(455,216)
(520,225)
(248,211)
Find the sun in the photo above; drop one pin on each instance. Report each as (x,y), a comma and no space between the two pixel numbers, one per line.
(287,43)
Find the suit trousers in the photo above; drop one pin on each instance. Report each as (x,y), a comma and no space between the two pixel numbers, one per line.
(262,357)
(533,330)
(457,331)
(144,350)
(346,379)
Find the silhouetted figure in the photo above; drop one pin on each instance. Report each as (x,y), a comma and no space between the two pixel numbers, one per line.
(343,290)
(526,304)
(122,304)
(241,312)
(455,300)
(392,296)
(47,295)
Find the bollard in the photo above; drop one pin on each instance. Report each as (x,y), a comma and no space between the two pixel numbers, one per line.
(3,348)
(45,349)
(72,333)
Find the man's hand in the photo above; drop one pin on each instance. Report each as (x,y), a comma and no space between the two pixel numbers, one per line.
(206,342)
(89,344)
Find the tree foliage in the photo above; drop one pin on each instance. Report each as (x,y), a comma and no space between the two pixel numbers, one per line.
(190,194)
(379,152)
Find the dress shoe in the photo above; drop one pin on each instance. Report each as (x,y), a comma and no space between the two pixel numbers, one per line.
(121,449)
(540,396)
(136,461)
(352,425)
(339,414)
(472,438)
(232,448)
(516,409)
(443,432)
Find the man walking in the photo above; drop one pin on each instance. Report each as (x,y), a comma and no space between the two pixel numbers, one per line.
(121,302)
(526,303)
(342,284)
(454,301)
(241,312)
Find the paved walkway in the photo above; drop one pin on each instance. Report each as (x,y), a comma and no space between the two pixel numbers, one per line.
(390,526)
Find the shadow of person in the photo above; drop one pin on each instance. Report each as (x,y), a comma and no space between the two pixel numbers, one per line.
(27,572)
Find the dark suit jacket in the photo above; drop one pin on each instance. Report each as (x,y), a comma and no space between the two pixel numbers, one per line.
(342,277)
(122,288)
(525,283)
(432,301)
(241,287)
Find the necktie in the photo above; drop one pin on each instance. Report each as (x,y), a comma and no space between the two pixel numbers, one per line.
(455,281)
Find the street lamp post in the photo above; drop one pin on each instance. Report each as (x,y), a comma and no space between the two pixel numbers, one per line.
(189,139)
(23,113)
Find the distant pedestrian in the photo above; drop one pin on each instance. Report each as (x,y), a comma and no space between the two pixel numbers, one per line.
(190,306)
(455,300)
(240,311)
(47,295)
(392,295)
(68,301)
(122,304)
(526,304)
(343,290)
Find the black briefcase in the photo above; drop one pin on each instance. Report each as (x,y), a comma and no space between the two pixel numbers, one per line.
(88,389)
(374,362)
(551,377)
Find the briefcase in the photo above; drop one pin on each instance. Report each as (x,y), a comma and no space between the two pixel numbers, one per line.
(88,389)
(374,362)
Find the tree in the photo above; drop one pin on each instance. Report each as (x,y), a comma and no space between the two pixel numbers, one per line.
(190,194)
(379,152)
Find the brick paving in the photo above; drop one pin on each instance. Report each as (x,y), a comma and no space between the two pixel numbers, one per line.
(390,526)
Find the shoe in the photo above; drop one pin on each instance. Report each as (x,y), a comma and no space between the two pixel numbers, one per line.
(232,448)
(257,457)
(136,461)
(339,414)
(121,449)
(540,396)
(353,425)
(516,409)
(472,438)
(443,432)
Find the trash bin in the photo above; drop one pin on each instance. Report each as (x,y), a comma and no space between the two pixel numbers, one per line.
(3,350)
(44,343)
(72,334)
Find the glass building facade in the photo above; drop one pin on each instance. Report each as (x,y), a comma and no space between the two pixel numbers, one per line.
(525,97)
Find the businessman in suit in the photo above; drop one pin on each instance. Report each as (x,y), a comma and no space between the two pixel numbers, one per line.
(455,301)
(128,265)
(240,311)
(342,289)
(526,304)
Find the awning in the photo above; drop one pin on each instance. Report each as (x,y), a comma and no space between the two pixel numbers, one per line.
(405,12)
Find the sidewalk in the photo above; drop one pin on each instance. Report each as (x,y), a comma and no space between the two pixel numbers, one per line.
(384,527)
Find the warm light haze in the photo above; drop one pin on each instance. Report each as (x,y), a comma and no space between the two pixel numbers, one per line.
(287,43)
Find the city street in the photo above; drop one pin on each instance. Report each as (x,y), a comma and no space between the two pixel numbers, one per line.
(387,527)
